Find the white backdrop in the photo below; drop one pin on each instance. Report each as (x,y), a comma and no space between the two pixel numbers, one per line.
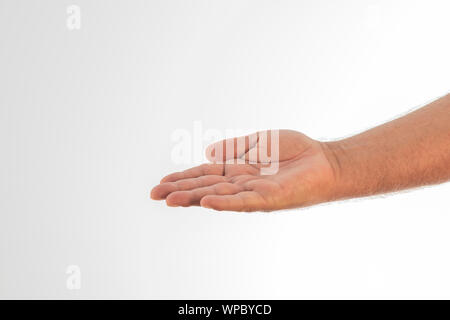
(87,118)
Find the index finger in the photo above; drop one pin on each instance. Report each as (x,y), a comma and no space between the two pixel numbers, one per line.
(204,169)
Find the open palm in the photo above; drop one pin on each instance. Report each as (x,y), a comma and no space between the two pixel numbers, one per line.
(304,177)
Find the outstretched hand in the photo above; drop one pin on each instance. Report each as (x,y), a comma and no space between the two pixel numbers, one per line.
(305,176)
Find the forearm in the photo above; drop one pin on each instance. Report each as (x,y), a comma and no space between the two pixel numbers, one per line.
(407,152)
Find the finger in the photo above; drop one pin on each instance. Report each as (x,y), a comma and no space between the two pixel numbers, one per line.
(266,149)
(193,197)
(204,169)
(242,201)
(162,190)
(233,148)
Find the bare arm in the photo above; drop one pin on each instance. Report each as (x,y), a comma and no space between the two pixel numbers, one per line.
(411,151)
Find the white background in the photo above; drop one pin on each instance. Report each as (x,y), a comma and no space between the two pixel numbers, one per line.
(86,118)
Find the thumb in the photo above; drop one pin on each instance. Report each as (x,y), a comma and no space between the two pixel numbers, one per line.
(233,148)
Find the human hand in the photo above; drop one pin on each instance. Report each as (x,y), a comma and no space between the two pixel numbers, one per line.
(305,176)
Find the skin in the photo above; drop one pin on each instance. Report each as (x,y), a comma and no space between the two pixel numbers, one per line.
(408,152)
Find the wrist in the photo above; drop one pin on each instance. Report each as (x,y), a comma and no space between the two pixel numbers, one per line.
(335,154)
